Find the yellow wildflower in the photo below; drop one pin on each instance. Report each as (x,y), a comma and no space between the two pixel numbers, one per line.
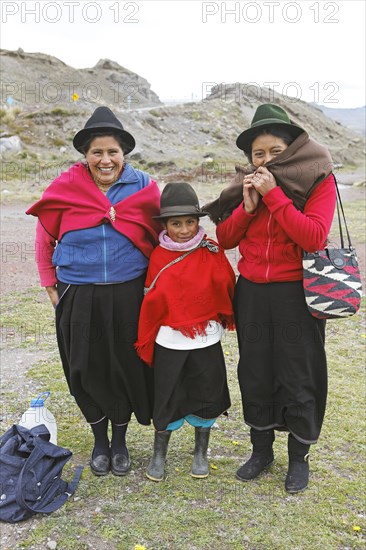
(213,466)
(357,528)
(75,97)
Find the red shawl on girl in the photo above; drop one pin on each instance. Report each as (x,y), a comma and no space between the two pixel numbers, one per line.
(186,296)
(73,201)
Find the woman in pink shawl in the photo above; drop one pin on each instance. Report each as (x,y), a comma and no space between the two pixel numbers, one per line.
(94,236)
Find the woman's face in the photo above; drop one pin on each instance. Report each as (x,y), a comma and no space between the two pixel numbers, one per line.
(265,147)
(182,228)
(105,159)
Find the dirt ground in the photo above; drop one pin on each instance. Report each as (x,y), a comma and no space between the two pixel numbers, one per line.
(18,268)
(18,273)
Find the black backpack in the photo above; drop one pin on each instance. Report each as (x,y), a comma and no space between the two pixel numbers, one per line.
(30,474)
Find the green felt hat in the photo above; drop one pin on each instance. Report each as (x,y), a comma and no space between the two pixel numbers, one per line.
(267,114)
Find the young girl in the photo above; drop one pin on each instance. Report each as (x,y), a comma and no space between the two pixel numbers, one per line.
(188,302)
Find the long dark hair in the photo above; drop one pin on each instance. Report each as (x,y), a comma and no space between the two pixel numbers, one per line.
(274,130)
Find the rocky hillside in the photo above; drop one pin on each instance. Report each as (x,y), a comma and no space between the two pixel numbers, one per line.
(346,145)
(179,140)
(36,80)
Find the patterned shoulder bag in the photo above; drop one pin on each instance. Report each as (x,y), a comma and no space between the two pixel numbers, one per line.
(331,277)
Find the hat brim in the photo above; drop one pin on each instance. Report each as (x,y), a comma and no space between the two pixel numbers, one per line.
(176,214)
(81,137)
(245,139)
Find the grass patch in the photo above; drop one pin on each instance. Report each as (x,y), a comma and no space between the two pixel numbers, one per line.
(60,111)
(25,175)
(220,511)
(27,320)
(58,142)
(355,217)
(8,116)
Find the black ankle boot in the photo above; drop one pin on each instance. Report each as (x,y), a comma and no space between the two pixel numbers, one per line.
(100,464)
(155,469)
(120,458)
(297,478)
(100,459)
(262,455)
(200,463)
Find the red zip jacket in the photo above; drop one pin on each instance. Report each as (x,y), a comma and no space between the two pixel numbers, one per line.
(272,239)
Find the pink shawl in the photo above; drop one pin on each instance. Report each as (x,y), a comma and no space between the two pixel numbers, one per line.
(73,201)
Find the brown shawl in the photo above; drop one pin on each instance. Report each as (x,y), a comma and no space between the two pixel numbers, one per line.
(298,171)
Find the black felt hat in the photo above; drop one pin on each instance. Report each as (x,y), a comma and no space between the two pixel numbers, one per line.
(267,115)
(103,119)
(179,199)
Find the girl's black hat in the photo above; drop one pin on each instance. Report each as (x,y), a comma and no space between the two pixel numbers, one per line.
(179,199)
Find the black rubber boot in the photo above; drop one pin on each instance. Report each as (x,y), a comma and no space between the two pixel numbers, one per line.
(262,455)
(200,464)
(155,469)
(297,478)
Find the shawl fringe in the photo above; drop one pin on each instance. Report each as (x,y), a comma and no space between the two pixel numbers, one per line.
(145,348)
(200,328)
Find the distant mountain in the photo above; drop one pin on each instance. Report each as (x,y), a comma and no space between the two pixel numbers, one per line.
(38,80)
(45,102)
(355,119)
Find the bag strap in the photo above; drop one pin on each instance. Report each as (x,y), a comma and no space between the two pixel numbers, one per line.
(204,243)
(38,454)
(340,208)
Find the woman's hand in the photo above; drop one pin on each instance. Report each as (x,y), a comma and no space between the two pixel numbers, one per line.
(262,180)
(53,295)
(251,198)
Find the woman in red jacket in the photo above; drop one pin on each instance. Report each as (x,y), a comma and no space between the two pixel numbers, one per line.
(283,206)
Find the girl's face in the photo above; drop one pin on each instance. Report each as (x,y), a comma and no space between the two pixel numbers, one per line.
(105,159)
(182,228)
(265,147)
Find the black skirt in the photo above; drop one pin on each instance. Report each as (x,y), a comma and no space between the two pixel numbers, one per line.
(282,368)
(189,382)
(96,330)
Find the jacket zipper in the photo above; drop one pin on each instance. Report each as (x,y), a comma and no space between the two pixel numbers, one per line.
(104,255)
(268,246)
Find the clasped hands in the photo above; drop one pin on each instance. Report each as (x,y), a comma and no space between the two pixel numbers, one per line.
(256,185)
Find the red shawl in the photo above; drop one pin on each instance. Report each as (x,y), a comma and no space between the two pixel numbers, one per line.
(186,296)
(73,201)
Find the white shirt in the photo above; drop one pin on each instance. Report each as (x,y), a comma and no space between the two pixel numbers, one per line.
(174,339)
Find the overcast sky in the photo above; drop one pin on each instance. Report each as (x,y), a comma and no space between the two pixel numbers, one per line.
(312,50)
